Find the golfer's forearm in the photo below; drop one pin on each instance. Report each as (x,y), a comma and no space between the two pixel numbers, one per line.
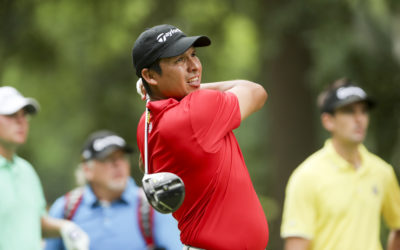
(227,85)
(394,240)
(251,96)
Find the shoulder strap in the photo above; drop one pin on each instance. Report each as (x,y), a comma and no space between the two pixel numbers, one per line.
(145,216)
(145,212)
(72,200)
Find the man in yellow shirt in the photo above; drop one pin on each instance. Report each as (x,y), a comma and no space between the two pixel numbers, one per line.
(335,198)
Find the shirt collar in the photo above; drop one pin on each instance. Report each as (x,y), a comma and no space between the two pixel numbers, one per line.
(4,162)
(130,193)
(157,107)
(340,162)
(90,198)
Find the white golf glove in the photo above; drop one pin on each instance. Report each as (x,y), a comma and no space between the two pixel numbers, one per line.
(140,89)
(74,237)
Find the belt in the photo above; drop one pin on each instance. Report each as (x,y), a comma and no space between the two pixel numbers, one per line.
(186,247)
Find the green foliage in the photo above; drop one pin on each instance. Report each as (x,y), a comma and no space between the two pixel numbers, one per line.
(74,58)
(240,48)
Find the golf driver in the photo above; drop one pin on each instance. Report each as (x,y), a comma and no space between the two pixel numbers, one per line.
(164,191)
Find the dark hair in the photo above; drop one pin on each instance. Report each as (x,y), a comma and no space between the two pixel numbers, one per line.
(156,67)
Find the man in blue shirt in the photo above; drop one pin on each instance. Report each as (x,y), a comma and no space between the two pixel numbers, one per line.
(107,208)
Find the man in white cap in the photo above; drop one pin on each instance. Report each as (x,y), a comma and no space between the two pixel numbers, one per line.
(23,206)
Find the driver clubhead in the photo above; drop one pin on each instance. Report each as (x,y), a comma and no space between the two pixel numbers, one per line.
(164,191)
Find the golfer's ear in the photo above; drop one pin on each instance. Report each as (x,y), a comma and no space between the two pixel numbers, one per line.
(149,75)
(327,121)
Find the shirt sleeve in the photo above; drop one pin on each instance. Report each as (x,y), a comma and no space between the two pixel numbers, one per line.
(166,230)
(213,115)
(299,214)
(56,211)
(391,202)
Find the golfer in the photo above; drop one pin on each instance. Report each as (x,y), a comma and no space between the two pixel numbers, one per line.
(190,135)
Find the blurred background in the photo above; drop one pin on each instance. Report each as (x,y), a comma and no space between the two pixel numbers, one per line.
(74,57)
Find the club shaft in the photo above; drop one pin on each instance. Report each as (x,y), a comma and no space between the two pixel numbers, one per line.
(146,128)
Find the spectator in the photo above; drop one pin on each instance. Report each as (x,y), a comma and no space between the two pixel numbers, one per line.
(335,198)
(111,208)
(23,206)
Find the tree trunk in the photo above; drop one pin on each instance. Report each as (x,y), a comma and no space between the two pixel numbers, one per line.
(291,107)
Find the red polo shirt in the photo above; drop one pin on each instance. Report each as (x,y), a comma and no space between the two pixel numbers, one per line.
(193,138)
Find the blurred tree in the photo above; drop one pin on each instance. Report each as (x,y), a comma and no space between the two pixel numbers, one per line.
(74,57)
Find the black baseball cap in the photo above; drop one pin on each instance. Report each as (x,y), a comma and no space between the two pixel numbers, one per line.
(162,41)
(345,95)
(102,143)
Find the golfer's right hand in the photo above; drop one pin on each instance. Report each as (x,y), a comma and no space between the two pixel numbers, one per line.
(74,237)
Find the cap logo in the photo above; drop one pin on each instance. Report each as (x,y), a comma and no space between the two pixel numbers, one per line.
(102,143)
(162,37)
(345,92)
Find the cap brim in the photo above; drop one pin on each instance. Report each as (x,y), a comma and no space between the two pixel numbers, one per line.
(106,152)
(184,44)
(29,104)
(32,106)
(354,99)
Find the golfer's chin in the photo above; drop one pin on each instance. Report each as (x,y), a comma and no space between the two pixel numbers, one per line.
(192,88)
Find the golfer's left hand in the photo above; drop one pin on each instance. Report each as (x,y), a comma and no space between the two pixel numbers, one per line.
(140,89)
